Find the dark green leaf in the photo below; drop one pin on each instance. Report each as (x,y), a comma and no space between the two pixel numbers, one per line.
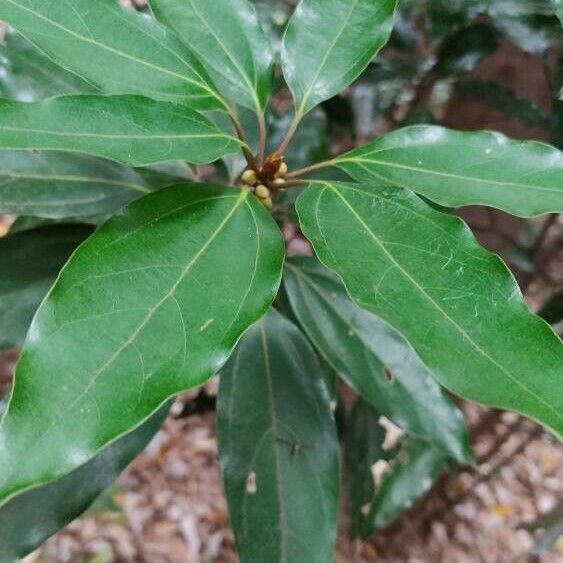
(151,305)
(456,168)
(55,185)
(228,39)
(128,129)
(532,33)
(457,304)
(28,75)
(504,100)
(32,259)
(552,309)
(373,359)
(328,43)
(464,50)
(364,447)
(117,50)
(278,447)
(29,519)
(413,472)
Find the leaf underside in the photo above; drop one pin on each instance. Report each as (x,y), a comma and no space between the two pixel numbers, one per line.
(278,447)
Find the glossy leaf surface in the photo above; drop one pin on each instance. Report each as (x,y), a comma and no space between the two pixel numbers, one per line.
(455,168)
(119,51)
(129,129)
(328,43)
(229,41)
(55,185)
(413,472)
(373,359)
(29,519)
(32,260)
(457,304)
(151,305)
(364,447)
(29,75)
(278,447)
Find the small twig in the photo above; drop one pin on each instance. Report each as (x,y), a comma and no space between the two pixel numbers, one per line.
(290,134)
(262,139)
(247,152)
(312,168)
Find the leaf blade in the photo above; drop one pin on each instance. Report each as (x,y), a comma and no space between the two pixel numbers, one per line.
(288,497)
(117,50)
(124,288)
(134,130)
(35,259)
(228,38)
(352,34)
(464,168)
(374,360)
(29,519)
(431,269)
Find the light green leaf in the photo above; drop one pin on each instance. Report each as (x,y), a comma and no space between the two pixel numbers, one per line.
(229,41)
(118,50)
(278,447)
(559,9)
(128,129)
(456,168)
(151,305)
(32,262)
(373,359)
(364,447)
(412,473)
(457,305)
(56,186)
(328,43)
(29,519)
(28,75)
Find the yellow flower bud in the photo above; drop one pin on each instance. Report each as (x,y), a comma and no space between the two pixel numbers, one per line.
(282,171)
(249,177)
(262,192)
(279,182)
(268,203)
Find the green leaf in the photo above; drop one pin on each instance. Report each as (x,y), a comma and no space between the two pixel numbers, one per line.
(151,305)
(32,261)
(559,9)
(413,472)
(373,359)
(128,129)
(28,75)
(464,50)
(29,519)
(228,39)
(456,168)
(56,186)
(278,447)
(328,43)
(364,447)
(457,304)
(505,100)
(118,50)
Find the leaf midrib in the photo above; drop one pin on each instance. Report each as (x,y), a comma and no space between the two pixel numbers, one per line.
(418,170)
(324,60)
(429,298)
(71,178)
(274,427)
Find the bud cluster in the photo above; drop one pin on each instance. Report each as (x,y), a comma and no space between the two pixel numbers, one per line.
(270,176)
